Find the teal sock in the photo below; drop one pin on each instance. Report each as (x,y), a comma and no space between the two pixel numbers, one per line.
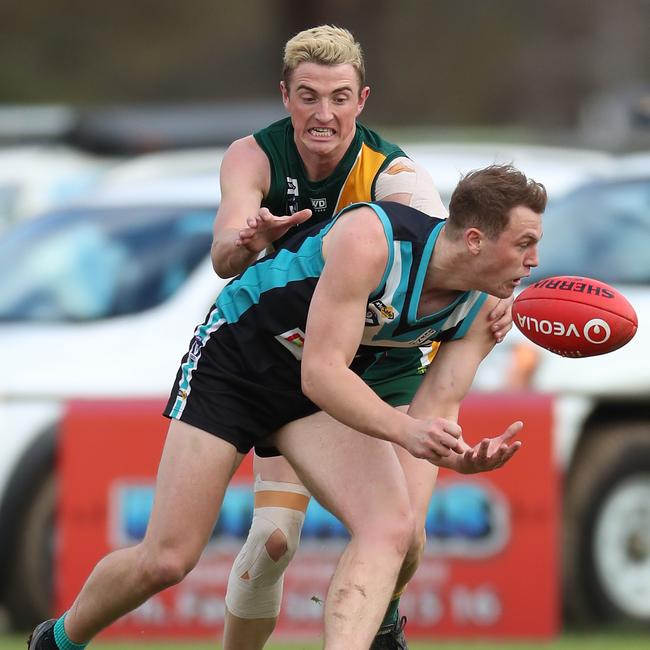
(390,618)
(61,638)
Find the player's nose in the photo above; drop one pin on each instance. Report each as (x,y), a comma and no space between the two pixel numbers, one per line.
(324,112)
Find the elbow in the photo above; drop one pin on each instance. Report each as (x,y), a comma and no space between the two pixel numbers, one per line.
(309,382)
(221,270)
(219,264)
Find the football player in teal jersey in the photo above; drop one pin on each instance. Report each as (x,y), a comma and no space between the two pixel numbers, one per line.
(242,384)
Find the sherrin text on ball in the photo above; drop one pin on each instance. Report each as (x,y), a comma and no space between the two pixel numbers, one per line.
(575,316)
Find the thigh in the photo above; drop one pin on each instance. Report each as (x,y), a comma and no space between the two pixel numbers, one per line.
(356,477)
(274,468)
(421,476)
(194,471)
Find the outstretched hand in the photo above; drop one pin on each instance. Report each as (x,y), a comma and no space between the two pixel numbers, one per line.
(264,228)
(491,453)
(501,318)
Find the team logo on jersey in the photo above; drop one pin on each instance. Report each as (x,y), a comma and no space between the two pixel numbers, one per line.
(293,340)
(319,205)
(292,195)
(378,312)
(426,338)
(195,349)
(292,186)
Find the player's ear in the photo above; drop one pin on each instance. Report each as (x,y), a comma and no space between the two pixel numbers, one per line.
(473,239)
(284,90)
(363,96)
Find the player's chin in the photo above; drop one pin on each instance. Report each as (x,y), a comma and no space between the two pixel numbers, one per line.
(321,147)
(503,292)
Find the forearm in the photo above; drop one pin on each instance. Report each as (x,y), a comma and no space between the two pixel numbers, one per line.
(348,399)
(228,259)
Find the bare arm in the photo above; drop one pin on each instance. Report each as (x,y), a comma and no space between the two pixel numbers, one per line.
(446,384)
(245,178)
(342,292)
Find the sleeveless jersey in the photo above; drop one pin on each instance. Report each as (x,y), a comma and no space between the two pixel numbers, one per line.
(352,180)
(265,308)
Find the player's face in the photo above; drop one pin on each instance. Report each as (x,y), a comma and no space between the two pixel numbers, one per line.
(324,102)
(511,256)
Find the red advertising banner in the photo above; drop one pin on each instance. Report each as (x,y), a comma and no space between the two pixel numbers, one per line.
(490,567)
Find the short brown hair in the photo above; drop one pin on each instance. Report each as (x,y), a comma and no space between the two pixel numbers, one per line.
(484,197)
(327,45)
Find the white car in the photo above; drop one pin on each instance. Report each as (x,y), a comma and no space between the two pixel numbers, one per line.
(35,178)
(559,169)
(600,230)
(98,300)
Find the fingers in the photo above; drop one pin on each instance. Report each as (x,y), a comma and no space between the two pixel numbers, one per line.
(511,431)
(445,444)
(492,453)
(497,311)
(501,318)
(301,215)
(499,331)
(452,428)
(266,217)
(504,454)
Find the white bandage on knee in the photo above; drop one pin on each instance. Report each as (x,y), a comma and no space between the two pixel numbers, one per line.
(256,579)
(403,176)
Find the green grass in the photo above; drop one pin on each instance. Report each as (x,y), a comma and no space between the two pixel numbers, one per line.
(608,641)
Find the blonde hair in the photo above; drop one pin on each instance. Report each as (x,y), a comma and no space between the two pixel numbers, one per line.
(326,45)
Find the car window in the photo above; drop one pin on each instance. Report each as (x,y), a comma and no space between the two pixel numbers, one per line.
(82,265)
(600,231)
(8,200)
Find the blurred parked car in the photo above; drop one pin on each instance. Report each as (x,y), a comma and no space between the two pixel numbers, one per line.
(601,230)
(559,169)
(99,300)
(172,164)
(35,178)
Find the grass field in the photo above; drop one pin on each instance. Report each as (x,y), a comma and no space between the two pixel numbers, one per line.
(566,642)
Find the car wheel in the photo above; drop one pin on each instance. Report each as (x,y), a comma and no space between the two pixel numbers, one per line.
(30,578)
(607,528)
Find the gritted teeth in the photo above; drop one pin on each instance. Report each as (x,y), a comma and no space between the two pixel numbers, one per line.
(315,130)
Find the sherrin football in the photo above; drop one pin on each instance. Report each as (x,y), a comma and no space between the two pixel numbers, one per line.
(574,316)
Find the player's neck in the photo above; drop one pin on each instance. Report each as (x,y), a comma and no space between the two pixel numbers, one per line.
(449,269)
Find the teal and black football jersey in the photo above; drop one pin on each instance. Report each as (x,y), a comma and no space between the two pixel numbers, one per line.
(266,307)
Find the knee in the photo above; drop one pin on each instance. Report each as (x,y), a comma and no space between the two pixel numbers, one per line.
(271,544)
(277,546)
(416,549)
(406,532)
(395,532)
(255,582)
(164,567)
